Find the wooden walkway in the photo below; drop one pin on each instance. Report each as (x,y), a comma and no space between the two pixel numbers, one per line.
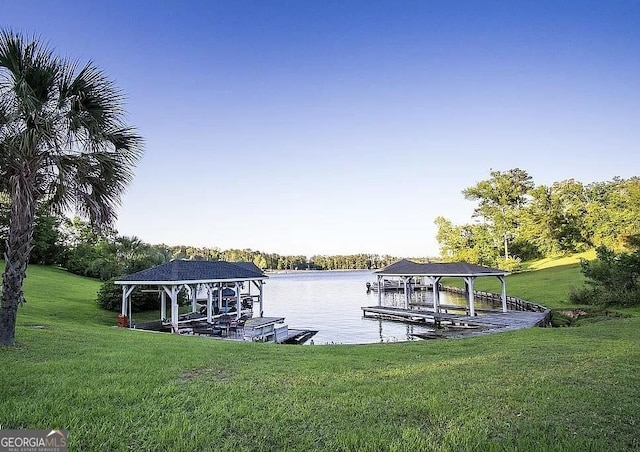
(496,321)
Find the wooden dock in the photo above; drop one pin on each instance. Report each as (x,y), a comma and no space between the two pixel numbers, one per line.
(298,336)
(493,321)
(513,303)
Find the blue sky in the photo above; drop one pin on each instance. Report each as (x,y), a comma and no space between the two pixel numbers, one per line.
(338,127)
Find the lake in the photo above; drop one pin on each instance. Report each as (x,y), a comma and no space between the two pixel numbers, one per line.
(330,302)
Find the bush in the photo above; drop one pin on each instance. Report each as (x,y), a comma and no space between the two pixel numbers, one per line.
(604,297)
(511,264)
(110,298)
(558,319)
(585,295)
(613,279)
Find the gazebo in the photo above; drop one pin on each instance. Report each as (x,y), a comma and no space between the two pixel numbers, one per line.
(212,276)
(407,271)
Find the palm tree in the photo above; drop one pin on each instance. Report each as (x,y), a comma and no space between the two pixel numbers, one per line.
(63,140)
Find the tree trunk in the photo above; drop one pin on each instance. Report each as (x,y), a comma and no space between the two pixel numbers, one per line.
(18,249)
(506,248)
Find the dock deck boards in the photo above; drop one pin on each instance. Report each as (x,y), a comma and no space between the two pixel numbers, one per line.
(492,322)
(259,322)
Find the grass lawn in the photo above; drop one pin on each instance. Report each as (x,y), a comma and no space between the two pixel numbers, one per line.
(548,286)
(113,389)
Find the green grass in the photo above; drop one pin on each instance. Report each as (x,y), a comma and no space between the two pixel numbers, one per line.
(559,261)
(113,389)
(549,286)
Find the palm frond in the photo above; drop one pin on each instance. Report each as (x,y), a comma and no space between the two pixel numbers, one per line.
(66,126)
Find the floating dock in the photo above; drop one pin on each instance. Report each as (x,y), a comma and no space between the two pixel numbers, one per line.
(491,321)
(259,329)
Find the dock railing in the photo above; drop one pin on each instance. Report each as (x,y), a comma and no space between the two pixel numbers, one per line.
(513,303)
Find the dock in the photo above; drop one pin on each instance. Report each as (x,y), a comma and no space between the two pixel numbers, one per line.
(259,329)
(298,336)
(492,321)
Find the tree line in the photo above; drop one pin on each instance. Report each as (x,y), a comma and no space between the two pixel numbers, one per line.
(104,254)
(516,220)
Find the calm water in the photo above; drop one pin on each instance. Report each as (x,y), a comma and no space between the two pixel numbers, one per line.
(330,301)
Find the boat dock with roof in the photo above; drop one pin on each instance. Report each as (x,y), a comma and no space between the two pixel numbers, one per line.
(228,312)
(406,273)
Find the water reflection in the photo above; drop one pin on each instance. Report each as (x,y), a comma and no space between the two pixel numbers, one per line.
(330,302)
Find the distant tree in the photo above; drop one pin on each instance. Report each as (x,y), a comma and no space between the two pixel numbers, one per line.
(48,246)
(501,199)
(554,220)
(161,254)
(62,137)
(472,243)
(613,212)
(132,255)
(260,261)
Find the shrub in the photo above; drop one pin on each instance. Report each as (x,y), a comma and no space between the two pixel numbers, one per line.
(585,295)
(603,297)
(612,280)
(558,319)
(510,264)
(110,298)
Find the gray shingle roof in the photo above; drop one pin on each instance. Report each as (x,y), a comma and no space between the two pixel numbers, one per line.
(184,270)
(406,267)
(249,266)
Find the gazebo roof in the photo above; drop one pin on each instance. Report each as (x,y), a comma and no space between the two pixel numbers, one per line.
(193,271)
(249,266)
(406,267)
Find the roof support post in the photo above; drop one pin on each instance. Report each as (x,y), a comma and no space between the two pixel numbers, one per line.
(238,303)
(504,293)
(174,307)
(163,305)
(260,297)
(406,292)
(194,298)
(172,291)
(435,283)
(220,290)
(379,290)
(126,301)
(209,302)
(470,299)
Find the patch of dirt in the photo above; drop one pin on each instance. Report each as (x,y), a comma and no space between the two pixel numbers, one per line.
(205,373)
(573,313)
(577,317)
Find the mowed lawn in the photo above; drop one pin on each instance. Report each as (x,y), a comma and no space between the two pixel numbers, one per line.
(113,389)
(548,287)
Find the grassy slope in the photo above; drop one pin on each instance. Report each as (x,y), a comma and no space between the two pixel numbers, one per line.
(562,389)
(550,262)
(548,286)
(546,281)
